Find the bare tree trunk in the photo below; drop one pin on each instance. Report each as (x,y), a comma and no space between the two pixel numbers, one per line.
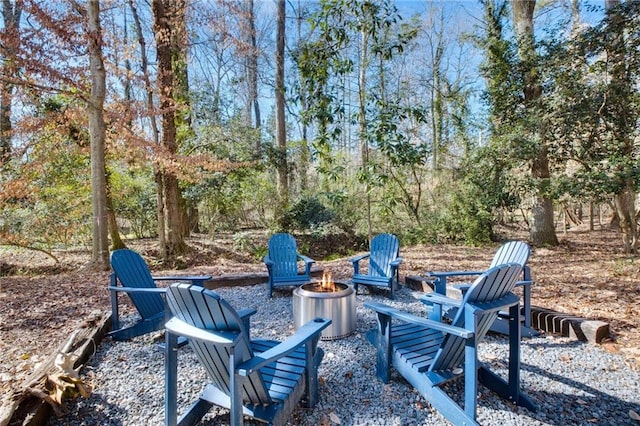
(305,154)
(9,46)
(114,233)
(252,74)
(162,241)
(162,28)
(281,133)
(97,133)
(542,228)
(176,11)
(364,145)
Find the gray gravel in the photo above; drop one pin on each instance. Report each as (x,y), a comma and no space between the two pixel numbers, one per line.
(572,383)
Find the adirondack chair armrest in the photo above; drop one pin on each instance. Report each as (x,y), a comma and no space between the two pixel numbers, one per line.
(137,290)
(523,283)
(305,259)
(308,332)
(267,261)
(246,313)
(505,301)
(357,259)
(387,310)
(356,262)
(395,263)
(440,299)
(195,279)
(181,328)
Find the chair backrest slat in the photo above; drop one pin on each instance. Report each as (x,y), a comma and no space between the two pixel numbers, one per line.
(492,285)
(384,249)
(132,271)
(511,252)
(283,251)
(204,309)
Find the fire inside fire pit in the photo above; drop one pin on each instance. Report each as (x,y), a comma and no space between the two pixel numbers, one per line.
(326,299)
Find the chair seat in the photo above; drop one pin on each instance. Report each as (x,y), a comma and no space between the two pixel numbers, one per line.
(284,376)
(416,345)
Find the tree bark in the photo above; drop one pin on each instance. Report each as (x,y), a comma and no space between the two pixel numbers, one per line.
(97,132)
(252,74)
(281,135)
(362,118)
(162,28)
(543,231)
(162,241)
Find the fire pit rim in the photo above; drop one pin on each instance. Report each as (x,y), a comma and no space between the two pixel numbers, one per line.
(344,290)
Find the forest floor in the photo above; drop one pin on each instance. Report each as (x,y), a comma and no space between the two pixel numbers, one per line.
(42,301)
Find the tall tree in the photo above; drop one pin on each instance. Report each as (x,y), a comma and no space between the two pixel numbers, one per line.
(10,37)
(251,66)
(163,26)
(542,227)
(155,132)
(281,134)
(97,133)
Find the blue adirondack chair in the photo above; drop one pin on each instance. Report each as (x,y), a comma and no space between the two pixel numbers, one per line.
(282,263)
(510,252)
(261,379)
(429,353)
(131,275)
(384,262)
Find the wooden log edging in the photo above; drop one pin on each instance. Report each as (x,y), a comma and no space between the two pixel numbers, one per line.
(583,329)
(25,406)
(254,278)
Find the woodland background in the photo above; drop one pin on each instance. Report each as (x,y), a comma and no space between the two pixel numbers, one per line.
(437,121)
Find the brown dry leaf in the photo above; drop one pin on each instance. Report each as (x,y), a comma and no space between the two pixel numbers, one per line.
(321,380)
(610,347)
(565,358)
(334,418)
(348,374)
(635,416)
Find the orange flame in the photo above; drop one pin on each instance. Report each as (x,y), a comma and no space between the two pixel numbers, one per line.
(327,282)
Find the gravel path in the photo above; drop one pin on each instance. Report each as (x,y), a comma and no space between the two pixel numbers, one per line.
(572,383)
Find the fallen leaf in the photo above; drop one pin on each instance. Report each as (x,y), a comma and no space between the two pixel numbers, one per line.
(348,374)
(565,358)
(582,401)
(635,416)
(334,418)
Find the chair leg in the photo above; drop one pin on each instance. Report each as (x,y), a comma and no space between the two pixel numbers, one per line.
(171,380)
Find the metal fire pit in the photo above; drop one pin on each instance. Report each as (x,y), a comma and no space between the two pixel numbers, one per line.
(310,301)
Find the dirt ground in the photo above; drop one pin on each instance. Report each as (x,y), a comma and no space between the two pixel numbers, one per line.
(43,302)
